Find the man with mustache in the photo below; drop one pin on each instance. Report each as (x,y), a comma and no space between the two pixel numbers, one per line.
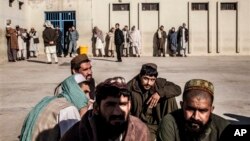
(152,97)
(82,64)
(110,120)
(195,120)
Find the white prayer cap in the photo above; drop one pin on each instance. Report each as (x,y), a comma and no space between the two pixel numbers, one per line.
(47,24)
(79,78)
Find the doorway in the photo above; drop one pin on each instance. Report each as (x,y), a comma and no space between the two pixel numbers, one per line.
(63,20)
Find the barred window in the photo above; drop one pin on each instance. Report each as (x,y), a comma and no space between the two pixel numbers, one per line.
(121,7)
(199,6)
(150,6)
(228,6)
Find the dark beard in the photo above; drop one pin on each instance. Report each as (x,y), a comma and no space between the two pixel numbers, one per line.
(192,127)
(107,131)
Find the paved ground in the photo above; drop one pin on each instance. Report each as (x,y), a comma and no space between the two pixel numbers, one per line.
(23,84)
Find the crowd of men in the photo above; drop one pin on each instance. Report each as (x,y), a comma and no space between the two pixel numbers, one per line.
(142,109)
(22,45)
(177,41)
(128,42)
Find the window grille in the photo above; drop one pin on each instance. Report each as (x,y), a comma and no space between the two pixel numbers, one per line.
(150,6)
(228,6)
(121,7)
(199,6)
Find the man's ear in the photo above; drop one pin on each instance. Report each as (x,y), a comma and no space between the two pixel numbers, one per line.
(129,105)
(181,103)
(96,108)
(212,109)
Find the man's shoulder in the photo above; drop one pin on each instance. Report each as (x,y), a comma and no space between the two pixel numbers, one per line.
(219,122)
(133,80)
(138,124)
(174,116)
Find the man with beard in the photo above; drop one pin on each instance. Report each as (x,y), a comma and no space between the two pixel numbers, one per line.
(195,120)
(82,64)
(152,97)
(110,120)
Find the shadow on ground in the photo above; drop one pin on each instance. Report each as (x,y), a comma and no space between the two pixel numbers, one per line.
(103,59)
(37,61)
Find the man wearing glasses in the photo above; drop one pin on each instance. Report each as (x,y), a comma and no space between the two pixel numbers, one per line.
(152,97)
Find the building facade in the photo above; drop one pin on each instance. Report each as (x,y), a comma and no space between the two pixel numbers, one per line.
(216,27)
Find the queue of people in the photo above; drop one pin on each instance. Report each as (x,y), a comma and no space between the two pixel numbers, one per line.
(176,42)
(21,44)
(122,41)
(128,42)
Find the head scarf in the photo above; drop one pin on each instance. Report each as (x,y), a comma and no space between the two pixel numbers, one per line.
(73,93)
(70,90)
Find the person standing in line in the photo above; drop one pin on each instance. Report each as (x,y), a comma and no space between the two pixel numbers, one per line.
(152,97)
(173,41)
(183,38)
(155,44)
(98,41)
(20,52)
(50,38)
(161,36)
(195,120)
(73,38)
(25,39)
(119,40)
(110,43)
(12,45)
(33,44)
(126,43)
(59,47)
(66,42)
(135,40)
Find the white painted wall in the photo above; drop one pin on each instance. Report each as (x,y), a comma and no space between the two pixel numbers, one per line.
(172,13)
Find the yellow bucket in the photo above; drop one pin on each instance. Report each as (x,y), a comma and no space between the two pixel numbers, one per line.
(83,49)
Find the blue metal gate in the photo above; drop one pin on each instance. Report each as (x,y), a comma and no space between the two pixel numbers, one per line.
(62,19)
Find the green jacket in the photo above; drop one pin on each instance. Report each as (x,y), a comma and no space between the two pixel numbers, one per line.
(167,103)
(172,128)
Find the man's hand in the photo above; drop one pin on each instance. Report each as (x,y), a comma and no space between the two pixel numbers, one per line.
(51,42)
(153,100)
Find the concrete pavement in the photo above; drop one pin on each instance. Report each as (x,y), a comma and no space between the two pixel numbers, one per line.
(24,83)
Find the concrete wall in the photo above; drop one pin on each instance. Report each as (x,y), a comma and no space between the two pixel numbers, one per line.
(212,32)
